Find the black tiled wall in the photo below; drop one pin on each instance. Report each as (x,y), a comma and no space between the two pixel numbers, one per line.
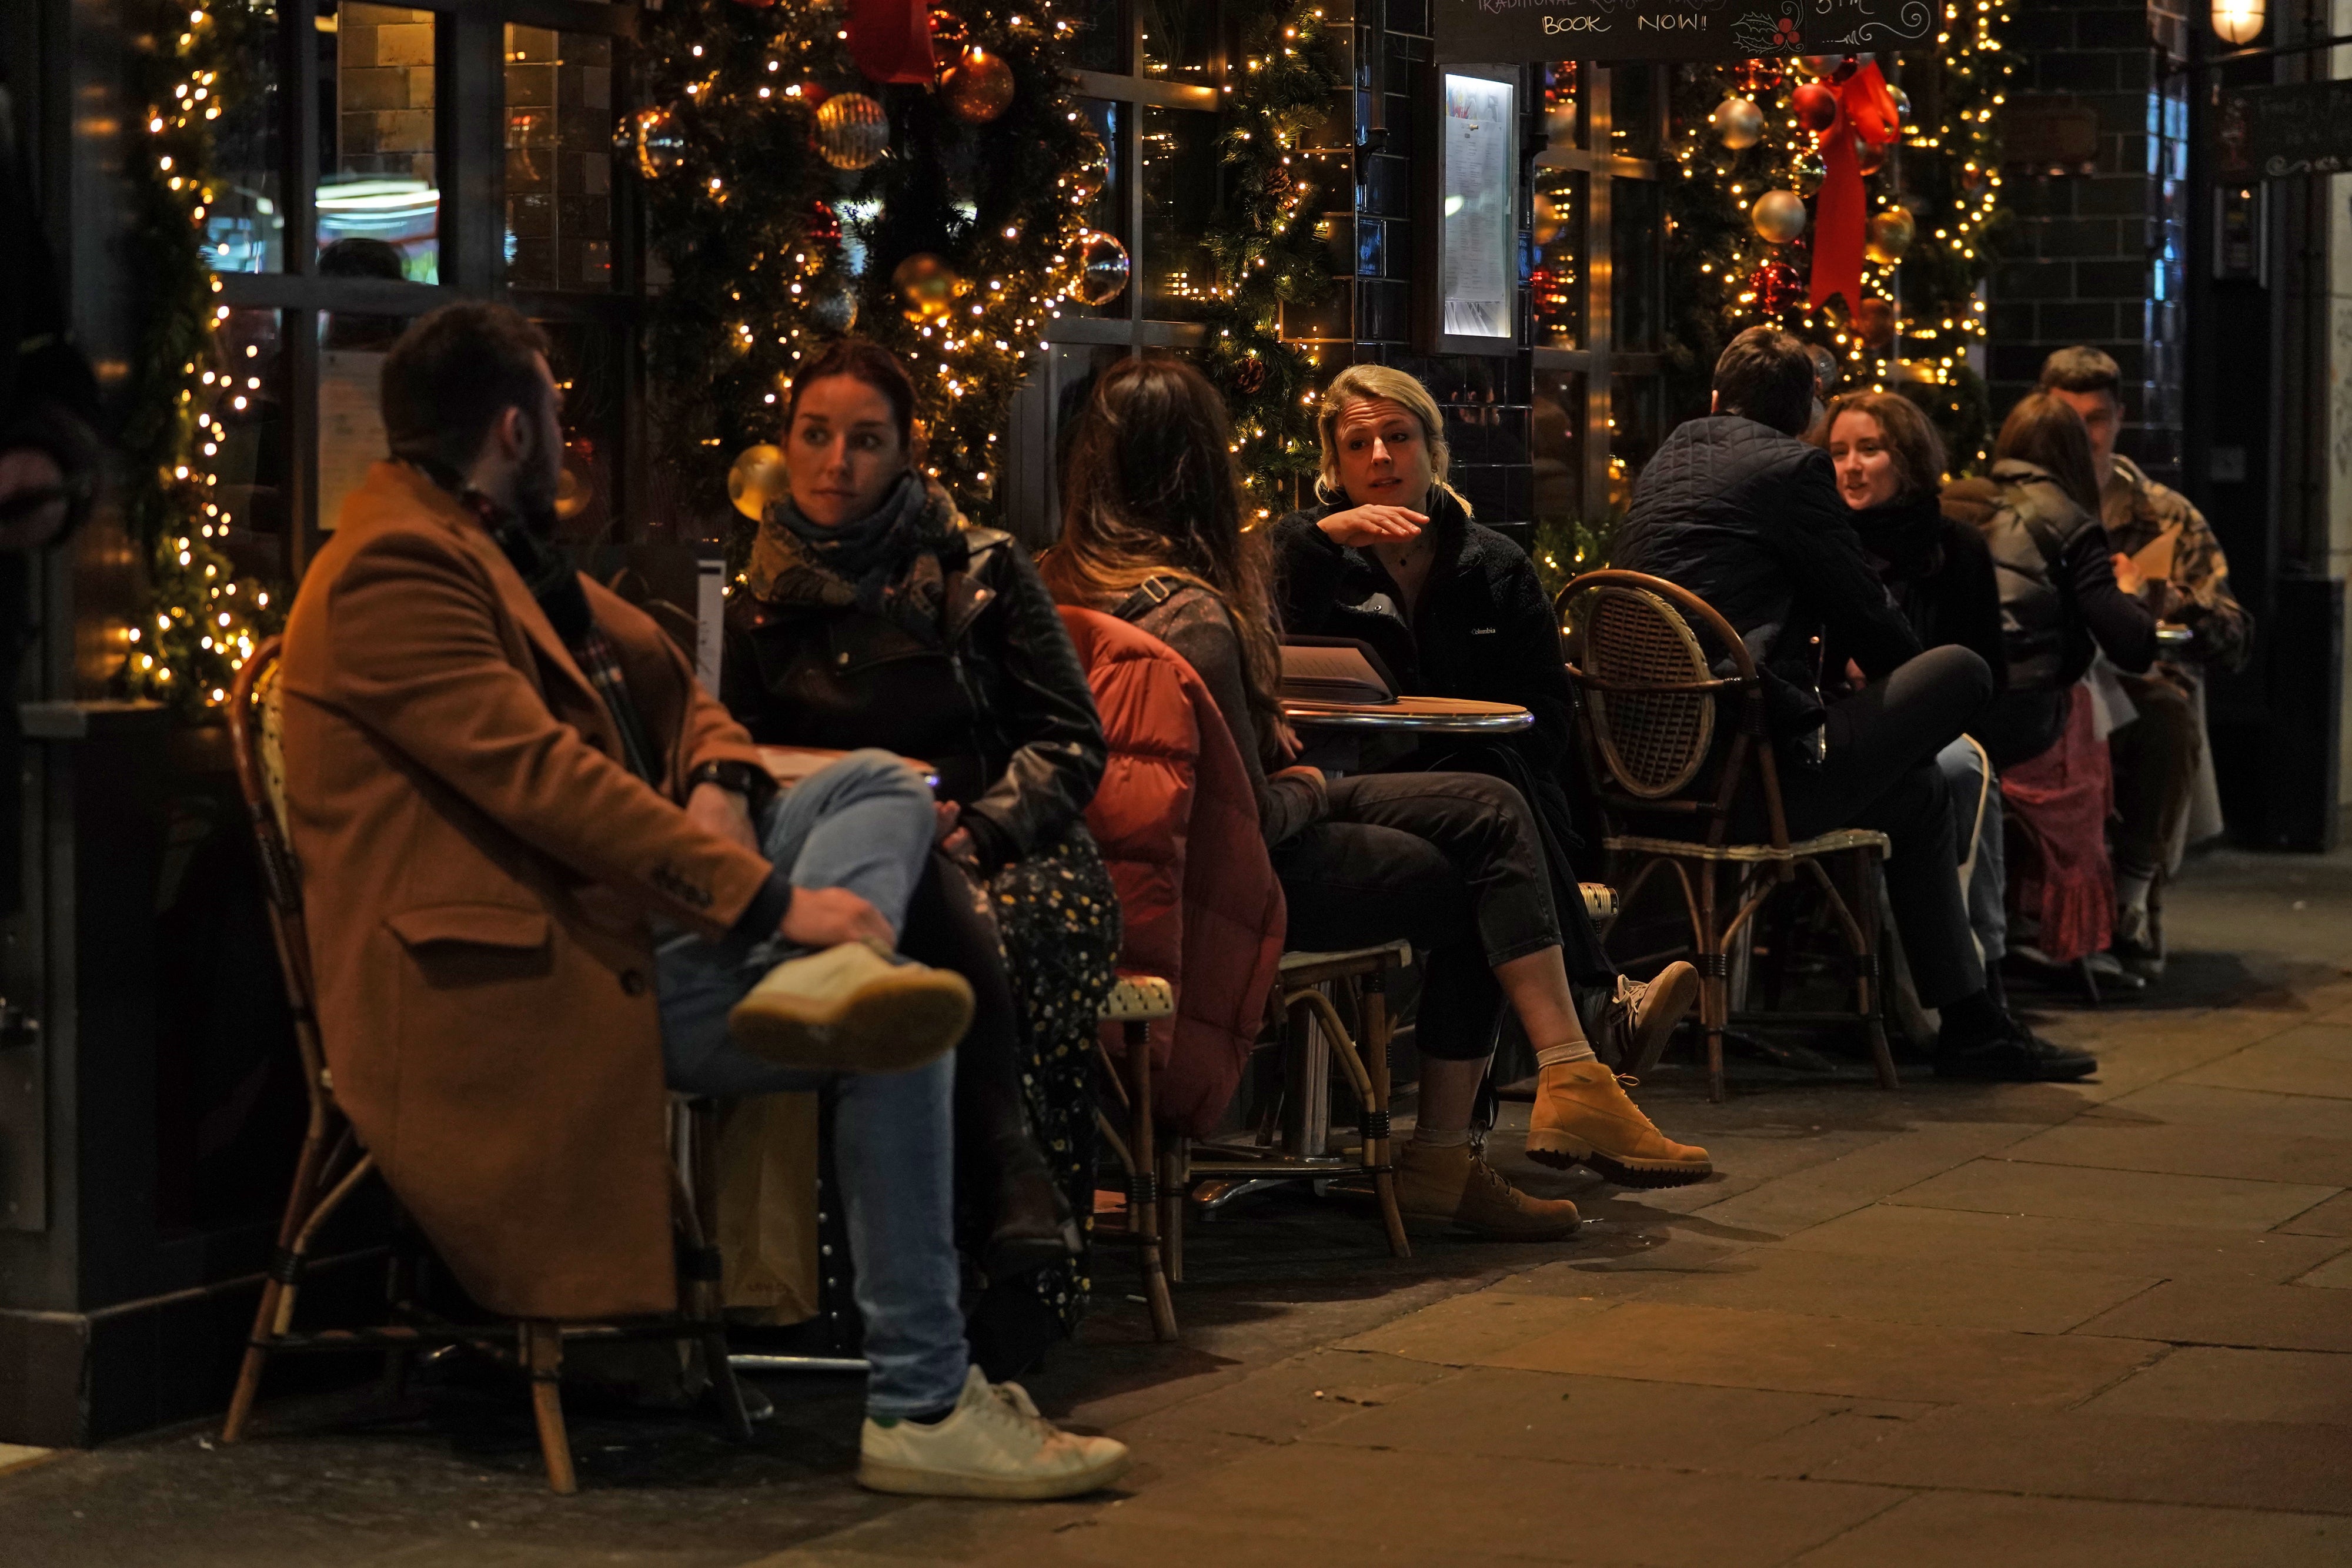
(2098,256)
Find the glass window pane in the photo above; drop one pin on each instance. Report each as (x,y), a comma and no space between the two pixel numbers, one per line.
(1180,188)
(1556,435)
(1108,211)
(1635,116)
(588,369)
(1100,29)
(245,226)
(1557,285)
(1637,262)
(1563,107)
(1636,428)
(376,175)
(1179,39)
(559,159)
(248,449)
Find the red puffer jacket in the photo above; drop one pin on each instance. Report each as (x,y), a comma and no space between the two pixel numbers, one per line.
(1178,824)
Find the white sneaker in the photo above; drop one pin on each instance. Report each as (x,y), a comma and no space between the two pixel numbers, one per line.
(995,1444)
(851,1009)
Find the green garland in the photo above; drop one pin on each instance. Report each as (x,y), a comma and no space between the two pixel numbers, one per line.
(1950,177)
(746,219)
(1263,242)
(200,622)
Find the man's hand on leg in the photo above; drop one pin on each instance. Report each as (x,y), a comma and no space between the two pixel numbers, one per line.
(823,917)
(716,808)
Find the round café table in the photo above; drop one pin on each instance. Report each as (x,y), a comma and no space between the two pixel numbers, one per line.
(1425,716)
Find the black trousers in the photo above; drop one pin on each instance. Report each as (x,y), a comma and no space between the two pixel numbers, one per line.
(1880,772)
(1451,862)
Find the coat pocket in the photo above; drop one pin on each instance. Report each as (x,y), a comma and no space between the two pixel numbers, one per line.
(439,926)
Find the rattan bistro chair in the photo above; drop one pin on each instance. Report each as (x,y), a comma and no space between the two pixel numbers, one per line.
(333,1166)
(1673,746)
(1135,1004)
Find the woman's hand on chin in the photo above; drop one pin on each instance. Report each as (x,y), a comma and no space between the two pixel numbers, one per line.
(1372,524)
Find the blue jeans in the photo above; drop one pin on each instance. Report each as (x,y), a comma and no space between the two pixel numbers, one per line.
(1963,768)
(864,824)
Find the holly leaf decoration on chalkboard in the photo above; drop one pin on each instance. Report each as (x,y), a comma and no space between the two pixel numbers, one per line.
(1767,32)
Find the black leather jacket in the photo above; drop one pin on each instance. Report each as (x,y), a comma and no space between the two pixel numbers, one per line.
(1000,706)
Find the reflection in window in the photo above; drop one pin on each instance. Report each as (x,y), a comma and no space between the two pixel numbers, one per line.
(1557,284)
(1563,121)
(1101,28)
(559,159)
(245,223)
(1179,39)
(1179,187)
(377,178)
(1638,265)
(1635,112)
(590,371)
(1635,431)
(1108,211)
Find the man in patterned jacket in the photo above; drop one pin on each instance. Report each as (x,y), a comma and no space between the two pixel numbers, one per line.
(2164,550)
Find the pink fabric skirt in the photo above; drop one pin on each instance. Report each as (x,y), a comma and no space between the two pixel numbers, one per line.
(2057,807)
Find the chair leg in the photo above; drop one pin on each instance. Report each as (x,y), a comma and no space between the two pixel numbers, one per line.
(1373,1024)
(1714,987)
(1870,971)
(248,1375)
(1175,1182)
(1143,1198)
(543,1355)
(705,1298)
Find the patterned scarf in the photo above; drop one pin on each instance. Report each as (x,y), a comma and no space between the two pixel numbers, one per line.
(546,570)
(892,562)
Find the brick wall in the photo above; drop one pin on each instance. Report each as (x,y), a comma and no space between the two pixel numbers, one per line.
(2096,254)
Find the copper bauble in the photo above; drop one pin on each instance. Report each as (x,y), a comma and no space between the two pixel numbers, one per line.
(1102,268)
(1779,215)
(978,87)
(852,131)
(1816,106)
(948,34)
(1890,235)
(1738,123)
(1869,157)
(1874,323)
(927,286)
(757,481)
(1776,286)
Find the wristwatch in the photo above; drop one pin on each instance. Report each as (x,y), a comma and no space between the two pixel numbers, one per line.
(754,784)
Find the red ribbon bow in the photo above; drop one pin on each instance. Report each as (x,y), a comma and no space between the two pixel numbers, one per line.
(1865,109)
(891,41)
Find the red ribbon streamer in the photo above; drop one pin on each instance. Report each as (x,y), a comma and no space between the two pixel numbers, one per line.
(891,41)
(1865,109)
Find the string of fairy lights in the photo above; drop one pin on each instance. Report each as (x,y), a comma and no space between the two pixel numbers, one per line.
(1933,201)
(200,621)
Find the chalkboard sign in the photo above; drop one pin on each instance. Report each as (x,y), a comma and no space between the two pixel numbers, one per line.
(2270,132)
(1521,30)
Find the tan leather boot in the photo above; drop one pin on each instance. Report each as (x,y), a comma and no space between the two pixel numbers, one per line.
(1582,1118)
(1457,1186)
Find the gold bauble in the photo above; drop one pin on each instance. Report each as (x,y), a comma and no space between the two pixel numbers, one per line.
(757,480)
(978,87)
(1103,268)
(650,139)
(1779,215)
(852,131)
(927,286)
(1890,235)
(1738,123)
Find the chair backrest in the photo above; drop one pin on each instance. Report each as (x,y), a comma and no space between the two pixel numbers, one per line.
(1647,656)
(256,730)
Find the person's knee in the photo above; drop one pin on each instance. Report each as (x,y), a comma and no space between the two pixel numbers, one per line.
(1960,674)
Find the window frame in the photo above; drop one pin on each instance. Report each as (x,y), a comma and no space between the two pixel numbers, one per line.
(469,160)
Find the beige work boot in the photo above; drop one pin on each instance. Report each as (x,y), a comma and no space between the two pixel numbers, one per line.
(1457,1186)
(1582,1118)
(1642,1016)
(994,1445)
(851,1009)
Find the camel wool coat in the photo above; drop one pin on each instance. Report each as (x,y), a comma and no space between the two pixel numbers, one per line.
(479,868)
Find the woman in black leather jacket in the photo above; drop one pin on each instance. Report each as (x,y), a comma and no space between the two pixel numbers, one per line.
(871,615)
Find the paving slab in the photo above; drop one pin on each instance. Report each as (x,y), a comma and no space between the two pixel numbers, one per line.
(2206,1151)
(2214,1384)
(1940,1292)
(2316,1059)
(1849,1356)
(2335,1274)
(2140,1198)
(2280,1466)
(1519,1507)
(2037,1241)
(2278,1317)
(2258,1114)
(1962,1530)
(2333,1217)
(1894,1164)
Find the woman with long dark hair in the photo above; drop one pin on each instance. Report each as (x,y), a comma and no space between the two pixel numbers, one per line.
(872,616)
(1451,862)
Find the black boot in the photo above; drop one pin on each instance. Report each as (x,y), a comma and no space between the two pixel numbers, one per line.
(1982,1040)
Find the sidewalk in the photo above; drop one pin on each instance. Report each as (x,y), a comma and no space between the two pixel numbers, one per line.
(2097,1323)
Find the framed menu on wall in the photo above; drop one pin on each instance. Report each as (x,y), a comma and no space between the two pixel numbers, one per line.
(1467,285)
